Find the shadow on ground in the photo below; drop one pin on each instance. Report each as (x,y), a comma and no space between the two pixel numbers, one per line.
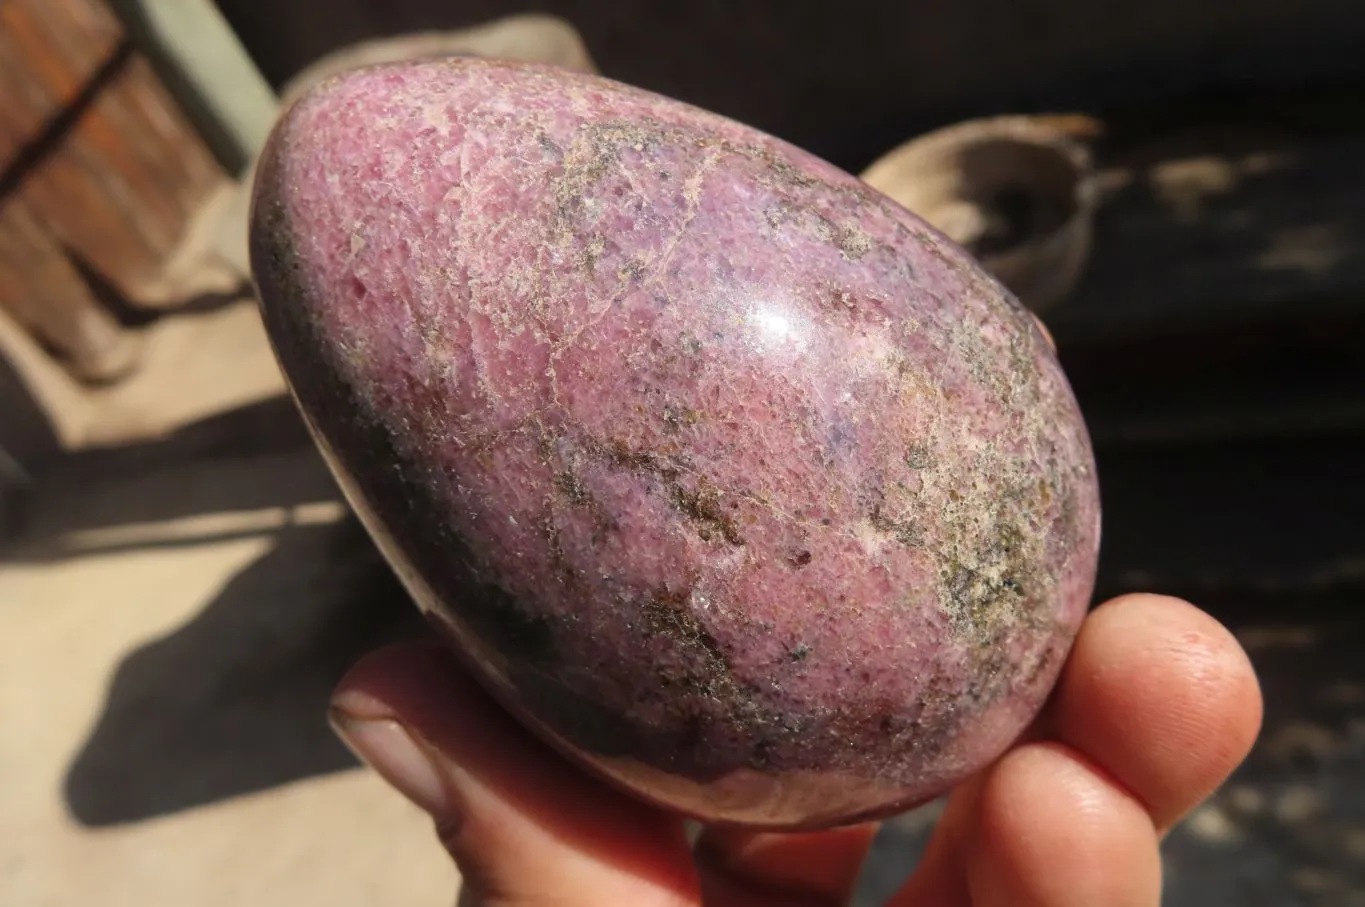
(235,701)
(252,457)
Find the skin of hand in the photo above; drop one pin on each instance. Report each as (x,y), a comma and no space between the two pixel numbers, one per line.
(1156,706)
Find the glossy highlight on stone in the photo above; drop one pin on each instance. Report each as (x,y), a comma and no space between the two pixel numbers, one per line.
(727,475)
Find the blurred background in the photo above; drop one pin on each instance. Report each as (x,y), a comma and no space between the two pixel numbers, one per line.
(1179,191)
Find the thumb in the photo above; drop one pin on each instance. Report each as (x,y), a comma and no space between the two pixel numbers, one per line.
(524,827)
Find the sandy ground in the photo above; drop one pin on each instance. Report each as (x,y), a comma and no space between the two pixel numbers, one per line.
(183,594)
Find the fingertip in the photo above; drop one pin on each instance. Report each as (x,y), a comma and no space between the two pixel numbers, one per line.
(1163,696)
(739,865)
(1054,829)
(508,801)
(408,674)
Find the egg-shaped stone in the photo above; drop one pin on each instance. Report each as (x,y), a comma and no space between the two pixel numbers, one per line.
(725,474)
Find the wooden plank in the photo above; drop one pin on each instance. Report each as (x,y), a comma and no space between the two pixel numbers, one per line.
(110,151)
(136,123)
(151,112)
(1276,514)
(1208,230)
(93,19)
(1226,293)
(45,294)
(21,26)
(129,185)
(1258,380)
(52,172)
(105,160)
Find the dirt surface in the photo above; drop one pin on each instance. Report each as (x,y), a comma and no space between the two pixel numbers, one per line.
(181,595)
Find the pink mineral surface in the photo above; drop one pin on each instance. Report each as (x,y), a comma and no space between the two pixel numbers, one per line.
(725,474)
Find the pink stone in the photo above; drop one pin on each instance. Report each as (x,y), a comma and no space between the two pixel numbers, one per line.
(725,474)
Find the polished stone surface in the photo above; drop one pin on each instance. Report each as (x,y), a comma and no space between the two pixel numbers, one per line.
(726,472)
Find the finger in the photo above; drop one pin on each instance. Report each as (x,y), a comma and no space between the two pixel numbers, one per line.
(1157,693)
(1163,697)
(524,827)
(1052,829)
(1043,827)
(940,877)
(747,867)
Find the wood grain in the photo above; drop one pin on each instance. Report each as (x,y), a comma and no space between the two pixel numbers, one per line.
(101,176)
(46,295)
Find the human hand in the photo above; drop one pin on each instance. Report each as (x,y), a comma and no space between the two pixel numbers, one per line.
(1156,706)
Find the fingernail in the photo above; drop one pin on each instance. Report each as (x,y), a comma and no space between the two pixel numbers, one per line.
(386,746)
